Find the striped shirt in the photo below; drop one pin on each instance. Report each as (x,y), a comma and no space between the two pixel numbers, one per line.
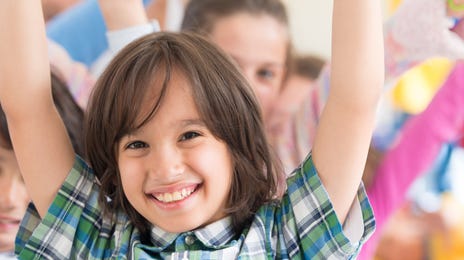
(301,225)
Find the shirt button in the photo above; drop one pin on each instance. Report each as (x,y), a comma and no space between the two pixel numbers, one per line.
(189,240)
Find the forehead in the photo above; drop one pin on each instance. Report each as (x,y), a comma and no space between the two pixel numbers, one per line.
(175,89)
(251,37)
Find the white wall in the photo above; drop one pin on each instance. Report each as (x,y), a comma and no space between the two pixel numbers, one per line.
(311,23)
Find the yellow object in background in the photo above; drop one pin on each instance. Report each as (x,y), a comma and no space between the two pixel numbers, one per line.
(392,5)
(449,244)
(416,88)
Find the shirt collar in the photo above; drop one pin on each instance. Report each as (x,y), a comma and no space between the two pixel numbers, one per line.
(215,235)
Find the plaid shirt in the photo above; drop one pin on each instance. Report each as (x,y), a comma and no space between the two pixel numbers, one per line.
(303,225)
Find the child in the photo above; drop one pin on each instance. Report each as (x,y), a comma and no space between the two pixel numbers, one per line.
(256,35)
(174,135)
(13,194)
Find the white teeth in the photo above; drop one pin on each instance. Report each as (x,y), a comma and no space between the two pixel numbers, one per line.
(175,196)
(168,197)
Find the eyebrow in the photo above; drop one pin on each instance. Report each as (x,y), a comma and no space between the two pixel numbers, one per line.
(183,123)
(189,122)
(267,63)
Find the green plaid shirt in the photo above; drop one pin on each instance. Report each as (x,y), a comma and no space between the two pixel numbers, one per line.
(302,225)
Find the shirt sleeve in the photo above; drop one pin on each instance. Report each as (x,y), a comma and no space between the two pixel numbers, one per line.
(118,39)
(310,221)
(72,225)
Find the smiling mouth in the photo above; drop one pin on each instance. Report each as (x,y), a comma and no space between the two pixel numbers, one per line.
(8,221)
(170,197)
(7,224)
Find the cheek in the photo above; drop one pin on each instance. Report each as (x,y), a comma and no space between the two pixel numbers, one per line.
(266,97)
(25,197)
(213,161)
(130,174)
(18,191)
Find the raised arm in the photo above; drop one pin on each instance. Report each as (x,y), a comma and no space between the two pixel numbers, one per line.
(126,21)
(119,14)
(346,124)
(40,140)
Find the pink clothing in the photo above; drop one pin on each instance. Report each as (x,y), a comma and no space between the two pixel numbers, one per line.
(76,75)
(415,150)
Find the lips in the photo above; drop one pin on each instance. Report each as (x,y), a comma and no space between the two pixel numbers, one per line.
(9,223)
(5,220)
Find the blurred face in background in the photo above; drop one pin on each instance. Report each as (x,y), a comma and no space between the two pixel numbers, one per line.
(259,46)
(13,199)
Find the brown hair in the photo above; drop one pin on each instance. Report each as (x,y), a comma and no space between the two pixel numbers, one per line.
(306,65)
(70,112)
(201,15)
(224,101)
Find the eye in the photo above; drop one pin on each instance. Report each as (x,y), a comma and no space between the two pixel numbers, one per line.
(266,74)
(136,145)
(188,135)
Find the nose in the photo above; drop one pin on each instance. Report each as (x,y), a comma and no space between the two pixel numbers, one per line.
(167,164)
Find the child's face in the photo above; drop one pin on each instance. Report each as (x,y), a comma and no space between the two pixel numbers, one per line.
(259,46)
(13,199)
(174,172)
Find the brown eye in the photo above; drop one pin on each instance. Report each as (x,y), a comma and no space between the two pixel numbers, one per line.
(189,135)
(266,74)
(137,145)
